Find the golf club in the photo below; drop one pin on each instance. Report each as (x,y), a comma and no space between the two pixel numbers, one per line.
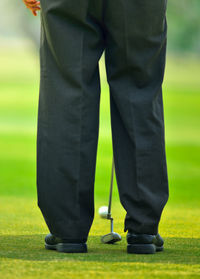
(105,212)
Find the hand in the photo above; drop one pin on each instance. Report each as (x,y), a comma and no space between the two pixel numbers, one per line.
(33,5)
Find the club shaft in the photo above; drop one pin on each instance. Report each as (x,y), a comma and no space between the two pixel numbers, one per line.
(111,225)
(111,190)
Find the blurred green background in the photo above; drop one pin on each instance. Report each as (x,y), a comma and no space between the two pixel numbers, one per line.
(19,89)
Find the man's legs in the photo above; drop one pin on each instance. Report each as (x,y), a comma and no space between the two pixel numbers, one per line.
(135,60)
(68,115)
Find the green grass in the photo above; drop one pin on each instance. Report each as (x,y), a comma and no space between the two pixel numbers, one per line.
(22,229)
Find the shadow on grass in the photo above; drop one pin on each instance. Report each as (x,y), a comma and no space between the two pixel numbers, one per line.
(31,248)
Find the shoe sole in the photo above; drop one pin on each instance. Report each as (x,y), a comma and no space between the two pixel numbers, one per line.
(68,247)
(143,248)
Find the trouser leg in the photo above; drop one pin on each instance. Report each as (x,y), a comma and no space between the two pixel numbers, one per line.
(68,115)
(135,61)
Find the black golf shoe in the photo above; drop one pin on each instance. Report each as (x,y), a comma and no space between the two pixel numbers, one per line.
(144,243)
(55,243)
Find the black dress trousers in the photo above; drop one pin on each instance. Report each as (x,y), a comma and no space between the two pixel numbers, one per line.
(74,34)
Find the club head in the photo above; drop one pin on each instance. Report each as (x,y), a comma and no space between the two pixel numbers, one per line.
(111,238)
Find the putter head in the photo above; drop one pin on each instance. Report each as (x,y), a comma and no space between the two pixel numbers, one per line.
(111,238)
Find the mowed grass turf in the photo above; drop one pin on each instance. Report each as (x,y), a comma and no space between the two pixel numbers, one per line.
(22,229)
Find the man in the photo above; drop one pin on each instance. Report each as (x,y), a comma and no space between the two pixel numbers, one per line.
(74,34)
